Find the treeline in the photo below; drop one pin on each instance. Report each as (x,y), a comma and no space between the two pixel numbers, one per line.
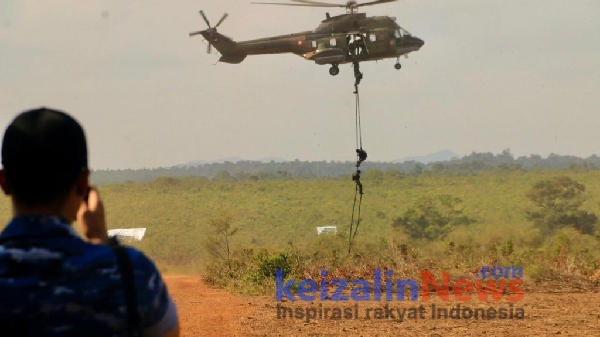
(256,170)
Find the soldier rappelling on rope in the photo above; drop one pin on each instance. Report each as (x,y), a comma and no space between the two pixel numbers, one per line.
(362,156)
(357,76)
(356,179)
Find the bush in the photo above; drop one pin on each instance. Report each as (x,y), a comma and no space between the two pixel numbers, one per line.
(432,217)
(557,203)
(269,265)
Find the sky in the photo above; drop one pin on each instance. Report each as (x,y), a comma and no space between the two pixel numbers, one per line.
(492,75)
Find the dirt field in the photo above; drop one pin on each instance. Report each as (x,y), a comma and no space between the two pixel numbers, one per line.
(205,311)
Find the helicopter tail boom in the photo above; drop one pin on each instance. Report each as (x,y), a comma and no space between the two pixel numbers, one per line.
(229,49)
(233,59)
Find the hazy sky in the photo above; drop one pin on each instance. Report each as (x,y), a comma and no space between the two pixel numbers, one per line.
(493,74)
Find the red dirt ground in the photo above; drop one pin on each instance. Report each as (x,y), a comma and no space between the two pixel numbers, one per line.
(206,311)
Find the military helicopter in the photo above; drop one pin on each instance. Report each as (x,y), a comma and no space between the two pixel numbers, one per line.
(348,38)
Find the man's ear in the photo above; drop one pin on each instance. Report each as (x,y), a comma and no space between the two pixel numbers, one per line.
(4,183)
(83,183)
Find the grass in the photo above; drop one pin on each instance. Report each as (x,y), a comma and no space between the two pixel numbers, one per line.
(281,216)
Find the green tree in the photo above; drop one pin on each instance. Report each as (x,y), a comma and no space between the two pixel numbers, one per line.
(432,217)
(417,169)
(557,205)
(438,168)
(218,245)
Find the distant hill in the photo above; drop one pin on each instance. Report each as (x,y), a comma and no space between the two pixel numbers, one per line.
(201,162)
(442,155)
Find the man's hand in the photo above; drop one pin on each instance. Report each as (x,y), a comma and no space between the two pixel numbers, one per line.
(91,217)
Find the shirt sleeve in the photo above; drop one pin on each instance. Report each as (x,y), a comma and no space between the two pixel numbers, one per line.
(165,325)
(158,313)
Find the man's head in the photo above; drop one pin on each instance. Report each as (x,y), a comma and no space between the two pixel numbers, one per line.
(44,156)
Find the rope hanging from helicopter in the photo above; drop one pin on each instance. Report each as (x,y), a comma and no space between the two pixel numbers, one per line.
(361,155)
(358,125)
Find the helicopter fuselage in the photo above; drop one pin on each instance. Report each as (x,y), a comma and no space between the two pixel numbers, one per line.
(337,40)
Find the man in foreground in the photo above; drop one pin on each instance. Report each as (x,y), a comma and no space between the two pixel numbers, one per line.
(53,283)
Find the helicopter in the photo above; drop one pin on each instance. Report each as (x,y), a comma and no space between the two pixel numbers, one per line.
(348,38)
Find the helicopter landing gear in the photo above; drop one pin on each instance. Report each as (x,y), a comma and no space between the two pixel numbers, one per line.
(397,65)
(334,70)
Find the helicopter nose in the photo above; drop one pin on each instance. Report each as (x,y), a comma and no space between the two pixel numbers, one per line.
(419,42)
(415,41)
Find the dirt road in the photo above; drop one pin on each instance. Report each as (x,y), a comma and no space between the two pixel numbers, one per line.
(205,311)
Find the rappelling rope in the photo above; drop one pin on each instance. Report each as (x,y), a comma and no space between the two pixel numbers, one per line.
(358,215)
(356,176)
(358,126)
(350,236)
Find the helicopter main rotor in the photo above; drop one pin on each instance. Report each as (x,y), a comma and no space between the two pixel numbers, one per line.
(351,5)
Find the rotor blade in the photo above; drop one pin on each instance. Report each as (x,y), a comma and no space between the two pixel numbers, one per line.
(301,5)
(374,3)
(319,4)
(222,19)
(205,19)
(196,33)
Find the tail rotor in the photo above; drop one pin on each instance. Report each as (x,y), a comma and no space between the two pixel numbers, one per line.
(211,30)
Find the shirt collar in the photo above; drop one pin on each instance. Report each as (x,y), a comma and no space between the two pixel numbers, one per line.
(37,225)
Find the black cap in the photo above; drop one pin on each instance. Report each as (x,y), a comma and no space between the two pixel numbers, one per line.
(42,138)
(43,153)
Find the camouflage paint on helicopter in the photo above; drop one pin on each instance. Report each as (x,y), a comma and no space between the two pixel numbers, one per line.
(347,38)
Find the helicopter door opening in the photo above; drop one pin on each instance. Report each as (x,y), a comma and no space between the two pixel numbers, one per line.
(356,45)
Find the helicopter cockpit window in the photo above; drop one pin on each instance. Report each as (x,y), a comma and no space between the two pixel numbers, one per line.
(403,32)
(333,42)
(397,34)
(314,44)
(372,37)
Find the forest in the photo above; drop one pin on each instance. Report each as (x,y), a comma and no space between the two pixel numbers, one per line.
(256,170)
